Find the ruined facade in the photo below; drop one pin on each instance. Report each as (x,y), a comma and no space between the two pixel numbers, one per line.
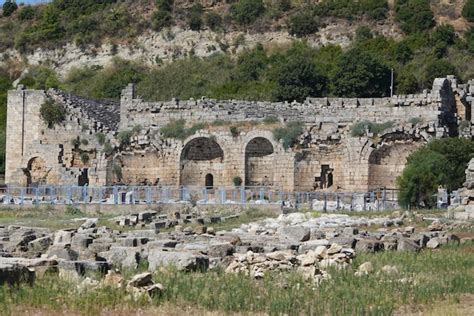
(345,144)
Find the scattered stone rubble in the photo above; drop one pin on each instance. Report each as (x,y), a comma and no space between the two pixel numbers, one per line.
(291,242)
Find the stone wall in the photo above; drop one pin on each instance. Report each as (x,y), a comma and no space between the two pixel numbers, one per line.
(328,155)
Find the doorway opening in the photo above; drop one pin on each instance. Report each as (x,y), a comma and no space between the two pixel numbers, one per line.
(209,181)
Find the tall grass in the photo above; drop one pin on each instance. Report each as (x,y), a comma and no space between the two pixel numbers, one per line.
(429,276)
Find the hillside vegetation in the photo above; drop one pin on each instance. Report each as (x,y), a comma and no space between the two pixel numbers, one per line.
(438,39)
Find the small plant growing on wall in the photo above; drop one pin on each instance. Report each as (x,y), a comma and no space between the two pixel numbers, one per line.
(288,134)
(52,113)
(117,169)
(234,131)
(75,142)
(108,149)
(124,137)
(85,157)
(237,181)
(100,138)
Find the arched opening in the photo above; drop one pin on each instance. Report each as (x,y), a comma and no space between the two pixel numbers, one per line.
(259,164)
(387,162)
(209,181)
(36,172)
(200,158)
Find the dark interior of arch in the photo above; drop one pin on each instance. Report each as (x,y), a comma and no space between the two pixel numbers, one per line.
(202,149)
(259,147)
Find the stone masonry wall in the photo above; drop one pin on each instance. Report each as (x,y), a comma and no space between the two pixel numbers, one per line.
(327,155)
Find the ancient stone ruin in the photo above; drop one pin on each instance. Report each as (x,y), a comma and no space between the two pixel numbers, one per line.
(351,145)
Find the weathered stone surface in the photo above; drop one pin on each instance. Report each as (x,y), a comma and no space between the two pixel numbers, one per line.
(124,257)
(296,233)
(405,244)
(181,260)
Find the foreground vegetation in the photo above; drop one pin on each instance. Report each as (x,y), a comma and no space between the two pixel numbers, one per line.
(423,279)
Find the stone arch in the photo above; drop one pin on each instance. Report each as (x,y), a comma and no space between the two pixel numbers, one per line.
(200,157)
(259,162)
(387,161)
(36,171)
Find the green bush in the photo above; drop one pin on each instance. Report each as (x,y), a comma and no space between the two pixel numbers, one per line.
(117,169)
(289,134)
(40,78)
(468,10)
(52,113)
(414,15)
(75,142)
(246,12)
(237,181)
(195,17)
(415,120)
(84,142)
(213,21)
(303,23)
(85,157)
(108,149)
(100,138)
(270,120)
(27,12)
(9,6)
(124,137)
(360,128)
(177,129)
(234,131)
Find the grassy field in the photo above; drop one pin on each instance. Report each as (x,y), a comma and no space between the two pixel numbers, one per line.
(428,279)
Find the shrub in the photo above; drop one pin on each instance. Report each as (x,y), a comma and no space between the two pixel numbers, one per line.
(52,113)
(270,120)
(246,12)
(464,124)
(234,131)
(161,19)
(28,12)
(303,23)
(85,157)
(468,10)
(9,7)
(108,149)
(360,128)
(237,181)
(195,17)
(213,21)
(84,142)
(75,142)
(289,134)
(73,211)
(117,169)
(363,33)
(177,129)
(100,138)
(124,137)
(415,120)
(414,15)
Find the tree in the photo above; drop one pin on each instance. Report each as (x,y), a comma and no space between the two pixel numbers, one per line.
(468,10)
(246,12)
(9,7)
(297,77)
(250,64)
(358,74)
(414,15)
(420,179)
(438,68)
(52,113)
(441,163)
